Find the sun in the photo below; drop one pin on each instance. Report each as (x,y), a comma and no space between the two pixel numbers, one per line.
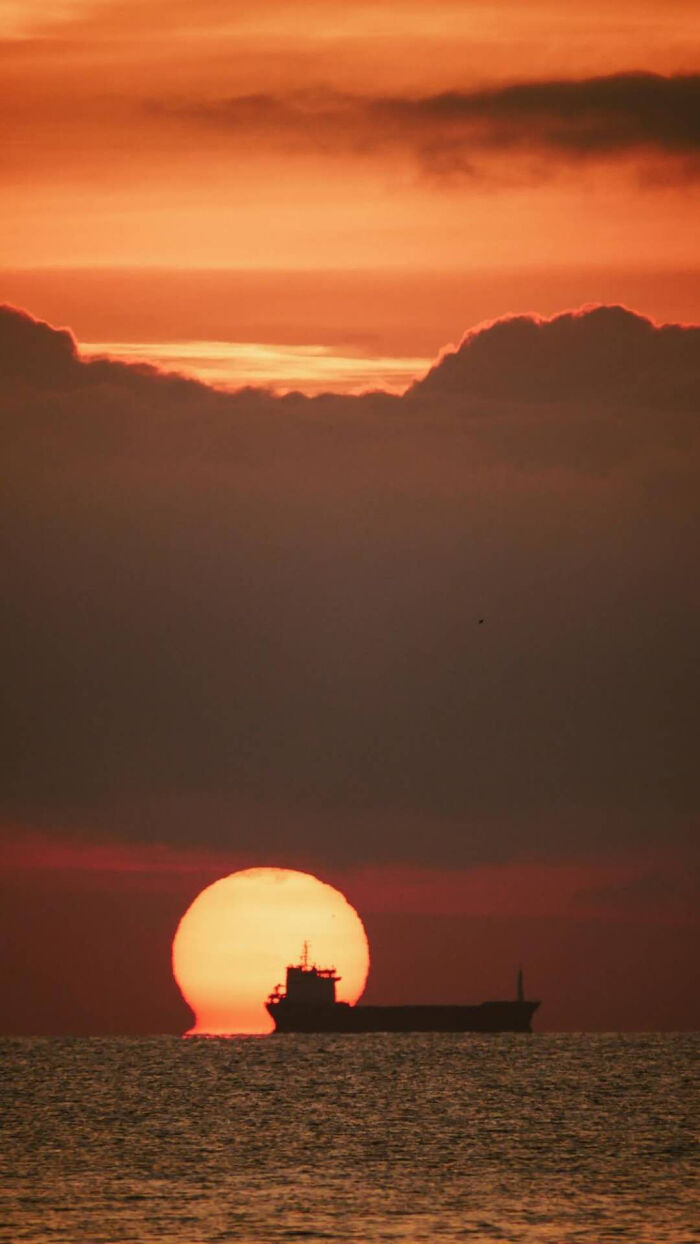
(234,942)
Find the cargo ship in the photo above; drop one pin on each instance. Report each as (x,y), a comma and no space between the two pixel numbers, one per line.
(308,1004)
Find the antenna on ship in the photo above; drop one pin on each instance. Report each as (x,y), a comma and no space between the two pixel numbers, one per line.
(305,956)
(521,994)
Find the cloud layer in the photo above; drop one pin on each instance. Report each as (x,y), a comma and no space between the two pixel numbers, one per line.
(452,625)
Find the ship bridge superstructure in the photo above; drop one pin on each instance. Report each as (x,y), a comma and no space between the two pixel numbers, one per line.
(307,984)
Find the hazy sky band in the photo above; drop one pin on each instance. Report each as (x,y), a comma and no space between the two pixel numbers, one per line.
(305,368)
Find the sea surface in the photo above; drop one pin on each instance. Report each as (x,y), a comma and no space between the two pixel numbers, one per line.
(563,1139)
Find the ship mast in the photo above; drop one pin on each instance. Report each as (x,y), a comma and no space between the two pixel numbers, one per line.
(521,993)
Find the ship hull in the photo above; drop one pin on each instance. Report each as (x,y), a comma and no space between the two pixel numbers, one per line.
(341,1017)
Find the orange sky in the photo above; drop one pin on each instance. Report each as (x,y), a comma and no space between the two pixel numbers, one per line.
(322,137)
(322,195)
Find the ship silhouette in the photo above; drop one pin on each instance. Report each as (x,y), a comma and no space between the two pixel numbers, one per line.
(308,1004)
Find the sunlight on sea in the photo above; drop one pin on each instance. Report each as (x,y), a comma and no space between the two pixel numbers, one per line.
(231,364)
(531,1139)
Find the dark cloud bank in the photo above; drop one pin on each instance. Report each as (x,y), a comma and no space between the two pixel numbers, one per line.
(255,622)
(640,116)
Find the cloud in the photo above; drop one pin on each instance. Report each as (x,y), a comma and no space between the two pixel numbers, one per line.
(252,623)
(600,354)
(640,116)
(619,114)
(34,355)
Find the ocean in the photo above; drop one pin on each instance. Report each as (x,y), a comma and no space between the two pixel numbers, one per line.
(545,1138)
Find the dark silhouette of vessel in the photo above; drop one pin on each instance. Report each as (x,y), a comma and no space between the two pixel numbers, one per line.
(308,1004)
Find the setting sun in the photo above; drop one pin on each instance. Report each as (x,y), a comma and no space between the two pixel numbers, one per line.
(235,941)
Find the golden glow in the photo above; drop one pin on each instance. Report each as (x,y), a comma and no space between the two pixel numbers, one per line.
(234,942)
(285,368)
